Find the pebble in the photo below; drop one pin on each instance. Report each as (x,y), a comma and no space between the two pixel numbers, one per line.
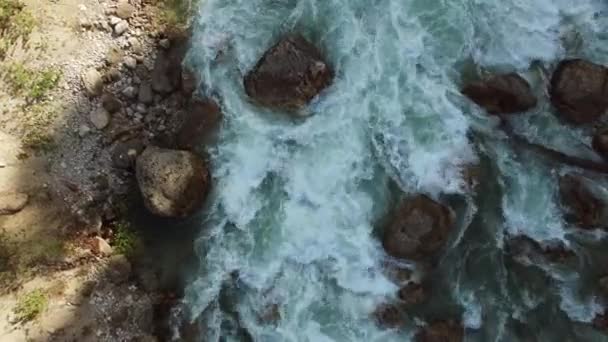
(141,108)
(100,118)
(130,62)
(124,10)
(130,92)
(136,45)
(114,20)
(164,43)
(146,95)
(121,28)
(83,130)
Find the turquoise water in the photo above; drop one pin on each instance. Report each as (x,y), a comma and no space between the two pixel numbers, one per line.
(294,214)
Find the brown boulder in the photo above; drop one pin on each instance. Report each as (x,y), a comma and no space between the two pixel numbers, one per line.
(600,143)
(390,316)
(412,293)
(419,229)
(579,90)
(502,94)
(202,118)
(441,331)
(582,206)
(523,246)
(289,75)
(173,183)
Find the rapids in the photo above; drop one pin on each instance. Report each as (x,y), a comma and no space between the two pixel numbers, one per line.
(293,218)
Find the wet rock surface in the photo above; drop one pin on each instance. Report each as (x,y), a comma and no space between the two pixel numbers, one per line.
(579,91)
(419,229)
(600,143)
(502,94)
(289,75)
(390,316)
(582,205)
(202,118)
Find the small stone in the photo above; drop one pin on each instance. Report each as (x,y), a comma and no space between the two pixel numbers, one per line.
(112,75)
(130,92)
(111,103)
(84,23)
(102,247)
(100,118)
(136,45)
(141,108)
(130,62)
(105,26)
(114,55)
(164,43)
(93,83)
(12,203)
(145,95)
(125,153)
(121,28)
(83,130)
(114,20)
(124,10)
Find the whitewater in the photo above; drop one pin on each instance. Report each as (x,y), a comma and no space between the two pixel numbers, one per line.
(297,204)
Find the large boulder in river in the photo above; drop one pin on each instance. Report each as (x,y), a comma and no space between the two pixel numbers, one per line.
(289,75)
(583,206)
(441,331)
(501,94)
(173,183)
(419,229)
(579,90)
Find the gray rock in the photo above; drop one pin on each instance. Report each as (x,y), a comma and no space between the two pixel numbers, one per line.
(112,75)
(100,118)
(12,202)
(173,183)
(121,28)
(145,95)
(136,45)
(93,83)
(124,10)
(130,92)
(83,130)
(111,103)
(130,62)
(141,108)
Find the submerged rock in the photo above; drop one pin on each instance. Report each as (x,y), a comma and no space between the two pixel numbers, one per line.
(578,91)
(441,331)
(502,94)
(583,207)
(419,229)
(390,316)
(413,293)
(600,143)
(289,75)
(173,183)
(523,246)
(202,117)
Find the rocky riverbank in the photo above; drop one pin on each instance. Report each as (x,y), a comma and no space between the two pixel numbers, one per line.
(88,86)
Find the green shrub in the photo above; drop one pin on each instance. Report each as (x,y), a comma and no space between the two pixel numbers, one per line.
(30,306)
(125,241)
(34,85)
(15,23)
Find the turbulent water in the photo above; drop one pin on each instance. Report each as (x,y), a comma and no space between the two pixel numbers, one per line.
(298,203)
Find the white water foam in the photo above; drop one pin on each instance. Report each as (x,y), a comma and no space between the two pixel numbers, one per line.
(296,200)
